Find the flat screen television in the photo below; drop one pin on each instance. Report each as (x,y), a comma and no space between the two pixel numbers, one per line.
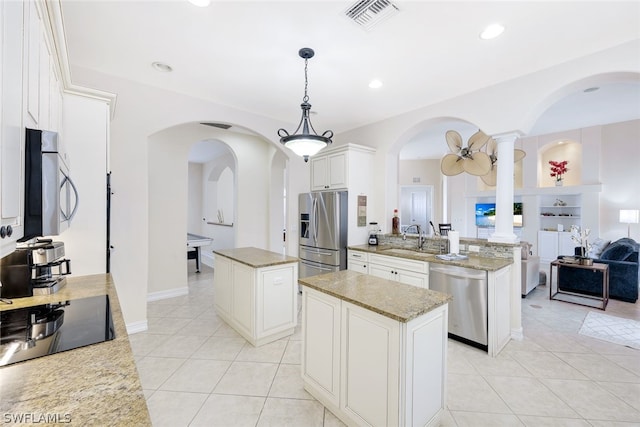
(486,214)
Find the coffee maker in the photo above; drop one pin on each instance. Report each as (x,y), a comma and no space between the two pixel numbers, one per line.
(34,269)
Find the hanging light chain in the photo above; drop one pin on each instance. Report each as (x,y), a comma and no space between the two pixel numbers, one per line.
(306,81)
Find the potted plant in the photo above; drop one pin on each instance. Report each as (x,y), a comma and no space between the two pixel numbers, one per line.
(558,169)
(581,238)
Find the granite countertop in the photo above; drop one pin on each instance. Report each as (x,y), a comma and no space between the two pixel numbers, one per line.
(391,299)
(473,261)
(254,257)
(93,385)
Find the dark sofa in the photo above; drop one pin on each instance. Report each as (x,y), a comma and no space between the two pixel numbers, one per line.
(622,257)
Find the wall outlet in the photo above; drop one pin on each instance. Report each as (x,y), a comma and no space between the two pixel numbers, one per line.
(474,248)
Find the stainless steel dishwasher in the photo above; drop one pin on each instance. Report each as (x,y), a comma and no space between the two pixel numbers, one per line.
(468,318)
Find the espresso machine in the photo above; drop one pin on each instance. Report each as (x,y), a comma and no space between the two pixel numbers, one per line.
(36,268)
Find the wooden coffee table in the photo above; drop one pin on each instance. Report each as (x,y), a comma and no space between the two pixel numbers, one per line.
(577,297)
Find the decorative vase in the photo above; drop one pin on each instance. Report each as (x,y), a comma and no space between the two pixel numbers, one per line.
(559,183)
(585,261)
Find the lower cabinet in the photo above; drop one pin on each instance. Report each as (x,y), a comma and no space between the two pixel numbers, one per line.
(403,270)
(371,370)
(259,303)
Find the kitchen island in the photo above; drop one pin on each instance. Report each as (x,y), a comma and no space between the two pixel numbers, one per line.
(93,385)
(256,293)
(374,351)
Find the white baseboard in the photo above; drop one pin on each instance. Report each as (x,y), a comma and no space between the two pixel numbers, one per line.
(170,293)
(135,327)
(207,259)
(517,333)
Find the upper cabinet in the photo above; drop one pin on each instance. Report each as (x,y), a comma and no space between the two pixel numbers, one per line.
(335,168)
(11,128)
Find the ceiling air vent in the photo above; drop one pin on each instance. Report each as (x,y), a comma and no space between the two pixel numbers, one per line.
(217,125)
(369,13)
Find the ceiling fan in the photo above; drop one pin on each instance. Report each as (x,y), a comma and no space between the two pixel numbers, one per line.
(491,178)
(466,159)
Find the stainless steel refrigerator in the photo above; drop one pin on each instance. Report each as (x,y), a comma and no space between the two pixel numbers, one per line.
(323,232)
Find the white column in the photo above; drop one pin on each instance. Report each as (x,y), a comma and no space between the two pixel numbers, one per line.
(504,190)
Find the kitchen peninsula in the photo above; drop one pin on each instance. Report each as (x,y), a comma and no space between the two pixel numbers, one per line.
(93,385)
(374,351)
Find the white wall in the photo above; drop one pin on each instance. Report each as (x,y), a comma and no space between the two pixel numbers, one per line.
(85,137)
(194,199)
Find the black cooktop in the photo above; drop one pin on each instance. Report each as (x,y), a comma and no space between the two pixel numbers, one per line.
(31,332)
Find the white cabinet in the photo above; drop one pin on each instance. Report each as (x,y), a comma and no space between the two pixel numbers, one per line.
(330,171)
(11,130)
(259,303)
(369,369)
(403,270)
(357,261)
(552,244)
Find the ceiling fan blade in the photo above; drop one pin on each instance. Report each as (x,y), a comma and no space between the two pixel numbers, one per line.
(492,177)
(478,140)
(518,155)
(451,165)
(492,148)
(454,141)
(479,164)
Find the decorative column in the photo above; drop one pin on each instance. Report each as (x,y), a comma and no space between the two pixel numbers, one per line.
(504,225)
(504,190)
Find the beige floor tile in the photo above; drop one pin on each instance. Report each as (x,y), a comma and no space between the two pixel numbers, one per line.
(247,379)
(528,396)
(288,383)
(171,408)
(331,420)
(293,352)
(224,411)
(628,392)
(271,353)
(200,327)
(473,393)
(196,375)
(546,365)
(481,419)
(226,331)
(503,364)
(144,343)
(291,413)
(628,362)
(154,371)
(534,421)
(188,311)
(178,346)
(220,348)
(598,368)
(160,325)
(592,401)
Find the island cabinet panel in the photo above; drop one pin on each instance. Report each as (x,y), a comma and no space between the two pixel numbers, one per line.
(260,303)
(499,295)
(391,373)
(222,280)
(370,364)
(321,361)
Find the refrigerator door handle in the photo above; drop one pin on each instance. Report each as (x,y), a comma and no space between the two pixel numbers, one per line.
(315,221)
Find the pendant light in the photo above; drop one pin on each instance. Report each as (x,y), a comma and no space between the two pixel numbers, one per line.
(307,142)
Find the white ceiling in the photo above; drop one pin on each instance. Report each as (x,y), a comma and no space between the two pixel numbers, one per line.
(245,53)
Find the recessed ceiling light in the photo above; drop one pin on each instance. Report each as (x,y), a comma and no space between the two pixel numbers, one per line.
(492,31)
(591,89)
(200,3)
(375,84)
(160,66)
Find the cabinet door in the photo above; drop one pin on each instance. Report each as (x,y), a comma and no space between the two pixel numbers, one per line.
(242,301)
(420,280)
(381,271)
(338,174)
(277,300)
(370,366)
(11,130)
(358,266)
(566,245)
(548,245)
(321,329)
(222,285)
(319,178)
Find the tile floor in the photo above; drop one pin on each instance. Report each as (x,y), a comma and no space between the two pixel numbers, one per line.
(196,371)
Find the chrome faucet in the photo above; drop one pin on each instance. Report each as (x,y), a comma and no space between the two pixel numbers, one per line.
(420,237)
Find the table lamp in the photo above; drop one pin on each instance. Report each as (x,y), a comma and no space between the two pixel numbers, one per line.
(629,216)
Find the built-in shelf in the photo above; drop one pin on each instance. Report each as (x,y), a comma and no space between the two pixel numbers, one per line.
(220,223)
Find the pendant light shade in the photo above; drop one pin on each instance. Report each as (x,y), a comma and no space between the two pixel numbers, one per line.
(307,142)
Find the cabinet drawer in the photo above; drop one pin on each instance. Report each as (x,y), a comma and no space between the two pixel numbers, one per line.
(357,256)
(401,263)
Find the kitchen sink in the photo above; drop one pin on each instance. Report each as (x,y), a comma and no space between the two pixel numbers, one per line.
(407,252)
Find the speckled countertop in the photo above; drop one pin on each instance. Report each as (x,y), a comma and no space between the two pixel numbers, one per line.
(391,299)
(254,257)
(97,385)
(475,262)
